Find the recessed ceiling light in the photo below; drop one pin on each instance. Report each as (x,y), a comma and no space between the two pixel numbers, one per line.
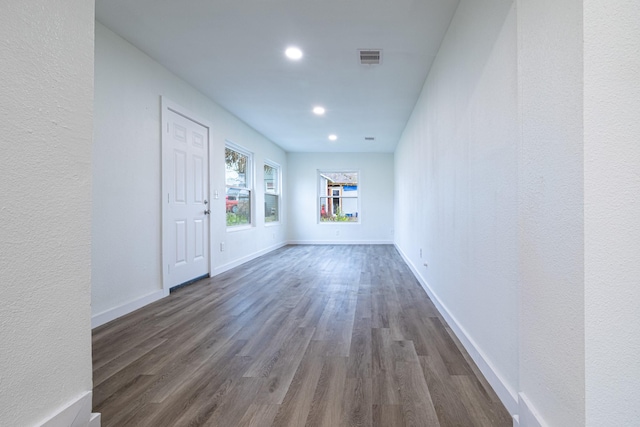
(293,53)
(318,110)
(333,137)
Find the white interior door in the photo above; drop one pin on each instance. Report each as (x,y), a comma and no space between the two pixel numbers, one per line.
(186,184)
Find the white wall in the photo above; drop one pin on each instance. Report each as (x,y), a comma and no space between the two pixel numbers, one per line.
(551,210)
(46,82)
(456,187)
(555,277)
(612,211)
(126,171)
(375,190)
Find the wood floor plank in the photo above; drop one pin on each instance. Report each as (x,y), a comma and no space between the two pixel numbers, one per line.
(297,402)
(387,415)
(379,312)
(236,403)
(283,369)
(326,405)
(416,400)
(335,335)
(359,362)
(358,402)
(386,385)
(117,404)
(180,375)
(259,416)
(192,384)
(444,394)
(449,352)
(484,412)
(199,401)
(101,373)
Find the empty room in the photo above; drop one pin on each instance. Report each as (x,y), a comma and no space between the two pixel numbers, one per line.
(285,213)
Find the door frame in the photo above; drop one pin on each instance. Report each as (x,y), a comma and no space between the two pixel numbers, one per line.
(167,105)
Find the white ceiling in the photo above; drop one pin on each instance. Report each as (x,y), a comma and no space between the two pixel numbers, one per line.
(233,51)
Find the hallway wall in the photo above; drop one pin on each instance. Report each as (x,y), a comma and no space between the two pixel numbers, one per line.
(46,93)
(551,219)
(539,283)
(456,182)
(612,211)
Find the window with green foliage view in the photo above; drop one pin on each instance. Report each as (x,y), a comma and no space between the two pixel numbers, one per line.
(238,186)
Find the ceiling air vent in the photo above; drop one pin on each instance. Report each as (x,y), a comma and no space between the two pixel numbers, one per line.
(369,138)
(370,56)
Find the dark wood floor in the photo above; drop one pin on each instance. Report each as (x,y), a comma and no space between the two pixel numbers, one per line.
(304,336)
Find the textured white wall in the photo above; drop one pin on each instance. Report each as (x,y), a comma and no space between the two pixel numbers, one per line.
(126,170)
(46,82)
(551,195)
(375,192)
(456,182)
(612,211)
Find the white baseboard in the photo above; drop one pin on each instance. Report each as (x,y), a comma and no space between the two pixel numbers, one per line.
(527,414)
(75,414)
(94,421)
(506,394)
(340,242)
(238,262)
(126,308)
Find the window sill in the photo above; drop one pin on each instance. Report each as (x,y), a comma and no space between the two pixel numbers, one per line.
(234,228)
(339,222)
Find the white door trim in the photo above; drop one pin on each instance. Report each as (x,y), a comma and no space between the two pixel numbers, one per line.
(167,105)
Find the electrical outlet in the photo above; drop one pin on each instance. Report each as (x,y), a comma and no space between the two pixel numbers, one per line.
(221,246)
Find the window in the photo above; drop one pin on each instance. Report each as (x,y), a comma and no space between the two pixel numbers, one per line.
(238,164)
(338,196)
(271,192)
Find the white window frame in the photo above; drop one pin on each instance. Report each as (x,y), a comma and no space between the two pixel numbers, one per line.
(320,196)
(277,190)
(248,182)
